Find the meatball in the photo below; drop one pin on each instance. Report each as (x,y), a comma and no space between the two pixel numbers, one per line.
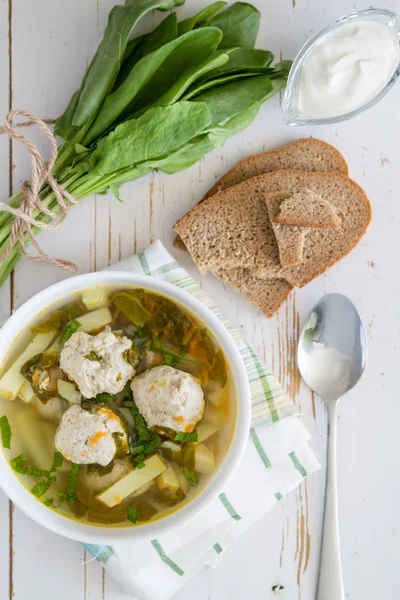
(167,397)
(96,362)
(91,437)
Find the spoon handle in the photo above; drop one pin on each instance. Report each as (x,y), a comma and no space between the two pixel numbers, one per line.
(330,584)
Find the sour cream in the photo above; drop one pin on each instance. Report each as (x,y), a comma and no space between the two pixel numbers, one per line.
(347,68)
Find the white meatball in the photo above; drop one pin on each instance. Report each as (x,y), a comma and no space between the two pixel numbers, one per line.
(86,438)
(96,362)
(167,397)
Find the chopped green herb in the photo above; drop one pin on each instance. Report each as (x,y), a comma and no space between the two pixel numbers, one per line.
(169,360)
(104,397)
(191,477)
(181,436)
(143,434)
(140,465)
(5,432)
(57,461)
(127,392)
(132,514)
(18,465)
(142,449)
(43,486)
(72,484)
(48,502)
(69,330)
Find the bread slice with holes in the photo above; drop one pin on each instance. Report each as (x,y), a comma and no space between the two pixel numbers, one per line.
(307,154)
(232,229)
(306,209)
(266,294)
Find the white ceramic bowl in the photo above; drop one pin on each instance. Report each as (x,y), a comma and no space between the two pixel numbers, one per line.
(56,522)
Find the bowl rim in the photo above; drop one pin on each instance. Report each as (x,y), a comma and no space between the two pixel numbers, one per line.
(93,534)
(288,118)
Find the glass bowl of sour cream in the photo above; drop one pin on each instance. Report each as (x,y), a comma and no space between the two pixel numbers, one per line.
(343,70)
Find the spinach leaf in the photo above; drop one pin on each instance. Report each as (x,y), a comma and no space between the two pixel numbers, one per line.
(228,77)
(103,69)
(239,24)
(152,76)
(226,100)
(167,31)
(189,76)
(52,322)
(130,305)
(245,58)
(201,18)
(155,134)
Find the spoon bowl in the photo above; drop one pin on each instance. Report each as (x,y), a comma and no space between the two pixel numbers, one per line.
(332,350)
(331,355)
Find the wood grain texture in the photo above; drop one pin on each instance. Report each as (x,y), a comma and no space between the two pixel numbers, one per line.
(284,547)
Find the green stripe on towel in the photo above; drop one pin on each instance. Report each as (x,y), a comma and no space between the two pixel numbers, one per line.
(259,448)
(229,507)
(158,548)
(278,496)
(217,548)
(143,263)
(298,464)
(266,389)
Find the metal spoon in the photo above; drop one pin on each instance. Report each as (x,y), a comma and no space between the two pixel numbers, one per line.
(331,356)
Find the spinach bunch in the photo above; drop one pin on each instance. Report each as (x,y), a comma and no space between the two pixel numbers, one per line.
(159,101)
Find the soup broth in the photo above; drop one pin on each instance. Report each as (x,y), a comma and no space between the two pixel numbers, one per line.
(117,406)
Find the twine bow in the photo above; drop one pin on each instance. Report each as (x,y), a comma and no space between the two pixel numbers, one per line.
(41,174)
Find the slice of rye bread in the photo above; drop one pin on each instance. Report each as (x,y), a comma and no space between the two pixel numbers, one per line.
(232,228)
(306,209)
(290,239)
(266,294)
(306,154)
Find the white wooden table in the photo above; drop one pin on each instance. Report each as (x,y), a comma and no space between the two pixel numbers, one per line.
(45,46)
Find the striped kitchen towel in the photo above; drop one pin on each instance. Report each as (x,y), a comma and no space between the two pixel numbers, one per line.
(276,460)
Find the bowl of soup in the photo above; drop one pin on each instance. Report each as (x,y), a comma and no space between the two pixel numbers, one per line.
(124,407)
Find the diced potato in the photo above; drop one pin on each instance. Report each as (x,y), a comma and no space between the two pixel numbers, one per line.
(67,390)
(204,460)
(26,392)
(216,397)
(95,297)
(171,446)
(172,451)
(12,380)
(154,466)
(168,481)
(35,444)
(183,482)
(205,430)
(95,319)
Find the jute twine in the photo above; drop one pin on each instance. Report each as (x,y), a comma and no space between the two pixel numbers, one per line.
(41,174)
